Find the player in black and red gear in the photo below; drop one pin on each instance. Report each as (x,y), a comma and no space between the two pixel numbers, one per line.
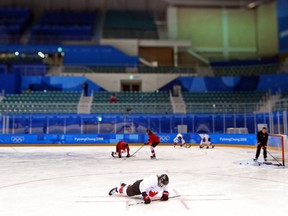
(121,147)
(262,138)
(153,141)
(147,187)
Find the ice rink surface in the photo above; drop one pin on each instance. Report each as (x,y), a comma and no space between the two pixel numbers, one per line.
(75,181)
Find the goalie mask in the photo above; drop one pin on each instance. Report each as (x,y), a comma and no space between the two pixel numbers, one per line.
(163,180)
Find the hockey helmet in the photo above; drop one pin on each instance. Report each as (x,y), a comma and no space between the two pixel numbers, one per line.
(148,131)
(163,180)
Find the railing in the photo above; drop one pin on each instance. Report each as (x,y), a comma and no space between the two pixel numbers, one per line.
(281,105)
(138,123)
(254,70)
(215,108)
(39,118)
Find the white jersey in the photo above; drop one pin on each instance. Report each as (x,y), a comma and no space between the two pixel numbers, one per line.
(151,187)
(179,138)
(205,139)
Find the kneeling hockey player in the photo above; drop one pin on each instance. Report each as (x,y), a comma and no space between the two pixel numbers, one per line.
(205,141)
(121,147)
(179,139)
(147,187)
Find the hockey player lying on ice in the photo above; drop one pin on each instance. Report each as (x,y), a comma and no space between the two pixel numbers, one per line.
(147,187)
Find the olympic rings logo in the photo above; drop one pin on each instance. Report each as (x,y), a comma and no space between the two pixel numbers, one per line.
(17,139)
(164,138)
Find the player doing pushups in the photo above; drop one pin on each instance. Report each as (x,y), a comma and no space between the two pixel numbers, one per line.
(147,187)
(205,141)
(121,147)
(179,139)
(153,141)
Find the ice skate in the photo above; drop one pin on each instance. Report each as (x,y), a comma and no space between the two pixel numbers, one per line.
(113,191)
(153,157)
(112,154)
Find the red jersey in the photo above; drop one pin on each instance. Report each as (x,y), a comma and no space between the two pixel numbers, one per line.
(153,138)
(121,145)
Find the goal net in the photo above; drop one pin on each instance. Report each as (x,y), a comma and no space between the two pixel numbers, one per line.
(277,147)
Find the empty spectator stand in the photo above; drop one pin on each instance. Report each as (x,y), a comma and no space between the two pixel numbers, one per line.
(13,21)
(41,102)
(222,102)
(246,68)
(282,103)
(129,24)
(132,102)
(57,26)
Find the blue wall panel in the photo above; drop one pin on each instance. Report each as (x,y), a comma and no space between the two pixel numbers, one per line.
(166,138)
(12,86)
(255,83)
(60,83)
(79,54)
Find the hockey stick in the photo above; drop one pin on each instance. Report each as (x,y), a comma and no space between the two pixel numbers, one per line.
(137,203)
(274,158)
(138,150)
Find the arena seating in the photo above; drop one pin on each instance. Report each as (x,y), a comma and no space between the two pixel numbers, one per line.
(132,102)
(222,102)
(41,102)
(253,67)
(282,104)
(129,24)
(57,26)
(12,23)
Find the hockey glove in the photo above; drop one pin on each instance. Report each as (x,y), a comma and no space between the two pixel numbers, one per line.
(146,198)
(165,196)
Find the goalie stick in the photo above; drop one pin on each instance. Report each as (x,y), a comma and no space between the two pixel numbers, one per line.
(137,203)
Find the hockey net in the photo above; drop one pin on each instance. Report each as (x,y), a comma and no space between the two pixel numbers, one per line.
(277,147)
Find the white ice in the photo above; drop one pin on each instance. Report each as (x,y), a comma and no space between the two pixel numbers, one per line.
(75,181)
